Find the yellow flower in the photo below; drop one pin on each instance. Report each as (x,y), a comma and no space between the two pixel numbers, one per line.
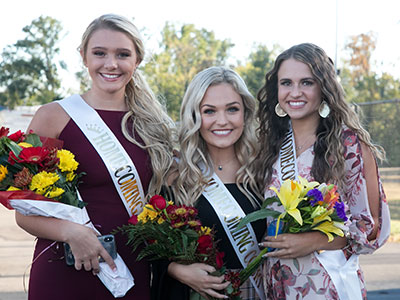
(3,172)
(41,181)
(67,161)
(54,192)
(13,188)
(147,213)
(205,230)
(318,211)
(70,176)
(289,195)
(328,228)
(306,186)
(325,216)
(160,220)
(24,145)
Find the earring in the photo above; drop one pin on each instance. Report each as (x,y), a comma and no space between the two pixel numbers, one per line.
(279,111)
(324,109)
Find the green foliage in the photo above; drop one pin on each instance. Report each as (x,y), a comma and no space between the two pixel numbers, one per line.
(183,53)
(28,71)
(257,65)
(366,87)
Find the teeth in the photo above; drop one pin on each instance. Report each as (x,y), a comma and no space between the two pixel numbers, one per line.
(111,76)
(221,132)
(297,103)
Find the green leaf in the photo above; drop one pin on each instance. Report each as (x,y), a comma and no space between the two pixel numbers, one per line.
(269,201)
(257,215)
(33,139)
(14,147)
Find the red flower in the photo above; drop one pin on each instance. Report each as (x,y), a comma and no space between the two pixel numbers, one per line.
(158,202)
(219,259)
(16,136)
(4,131)
(31,155)
(205,244)
(133,220)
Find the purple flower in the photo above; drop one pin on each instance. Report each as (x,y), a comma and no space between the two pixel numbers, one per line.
(339,206)
(316,195)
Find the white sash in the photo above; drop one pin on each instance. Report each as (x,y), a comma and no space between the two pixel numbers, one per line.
(287,166)
(118,163)
(230,213)
(343,272)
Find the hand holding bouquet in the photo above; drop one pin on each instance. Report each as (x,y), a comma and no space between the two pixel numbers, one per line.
(307,206)
(172,232)
(39,178)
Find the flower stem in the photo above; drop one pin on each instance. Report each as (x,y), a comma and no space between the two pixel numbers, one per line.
(252,266)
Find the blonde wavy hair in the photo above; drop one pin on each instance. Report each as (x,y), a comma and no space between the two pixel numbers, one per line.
(146,114)
(191,181)
(329,160)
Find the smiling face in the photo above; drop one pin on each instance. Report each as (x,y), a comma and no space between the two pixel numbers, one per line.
(111,60)
(222,117)
(299,94)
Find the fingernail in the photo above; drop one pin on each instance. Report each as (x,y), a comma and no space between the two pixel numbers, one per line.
(115,270)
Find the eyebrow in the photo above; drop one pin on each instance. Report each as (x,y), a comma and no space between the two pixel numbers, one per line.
(105,48)
(305,78)
(228,104)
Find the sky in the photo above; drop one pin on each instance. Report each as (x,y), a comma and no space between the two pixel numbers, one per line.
(327,23)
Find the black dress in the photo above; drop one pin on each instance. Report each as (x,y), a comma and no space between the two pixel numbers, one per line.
(171,289)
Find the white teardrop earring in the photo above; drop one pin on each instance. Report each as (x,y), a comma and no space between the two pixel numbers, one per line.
(324,109)
(279,111)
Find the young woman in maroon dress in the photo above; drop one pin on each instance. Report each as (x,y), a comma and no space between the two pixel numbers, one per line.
(112,50)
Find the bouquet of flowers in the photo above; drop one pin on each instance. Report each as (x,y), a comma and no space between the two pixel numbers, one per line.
(32,169)
(307,206)
(39,178)
(173,232)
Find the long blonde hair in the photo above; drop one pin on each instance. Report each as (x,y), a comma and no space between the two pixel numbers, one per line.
(147,115)
(329,160)
(191,181)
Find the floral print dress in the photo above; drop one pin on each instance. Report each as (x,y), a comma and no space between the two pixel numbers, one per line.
(305,277)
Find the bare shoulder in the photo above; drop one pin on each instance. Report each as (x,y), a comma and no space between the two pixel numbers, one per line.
(367,155)
(49,120)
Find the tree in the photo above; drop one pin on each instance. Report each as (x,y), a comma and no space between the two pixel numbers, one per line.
(258,64)
(28,71)
(183,53)
(368,88)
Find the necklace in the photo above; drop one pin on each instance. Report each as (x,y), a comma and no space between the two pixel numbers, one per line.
(298,148)
(220,166)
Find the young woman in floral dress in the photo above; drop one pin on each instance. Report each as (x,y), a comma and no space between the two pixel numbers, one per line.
(302,105)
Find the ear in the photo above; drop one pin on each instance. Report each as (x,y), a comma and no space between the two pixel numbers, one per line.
(83,57)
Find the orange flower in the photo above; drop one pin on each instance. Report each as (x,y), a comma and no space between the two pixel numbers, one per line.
(331,197)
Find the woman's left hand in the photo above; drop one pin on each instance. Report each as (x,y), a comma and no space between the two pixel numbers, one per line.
(293,245)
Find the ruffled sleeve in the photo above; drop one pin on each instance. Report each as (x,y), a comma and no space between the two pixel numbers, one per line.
(356,198)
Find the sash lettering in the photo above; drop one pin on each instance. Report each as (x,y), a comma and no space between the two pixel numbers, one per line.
(230,213)
(118,163)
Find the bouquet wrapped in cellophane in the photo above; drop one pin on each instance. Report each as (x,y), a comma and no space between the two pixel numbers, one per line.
(38,178)
(307,206)
(174,232)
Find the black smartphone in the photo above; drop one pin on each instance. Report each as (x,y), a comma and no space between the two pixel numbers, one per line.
(108,242)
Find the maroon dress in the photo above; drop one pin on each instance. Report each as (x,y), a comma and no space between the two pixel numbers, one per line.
(50,277)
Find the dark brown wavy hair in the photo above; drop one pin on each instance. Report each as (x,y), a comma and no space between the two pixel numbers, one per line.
(328,164)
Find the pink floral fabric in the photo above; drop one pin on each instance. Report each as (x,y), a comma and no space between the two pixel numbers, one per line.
(305,277)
